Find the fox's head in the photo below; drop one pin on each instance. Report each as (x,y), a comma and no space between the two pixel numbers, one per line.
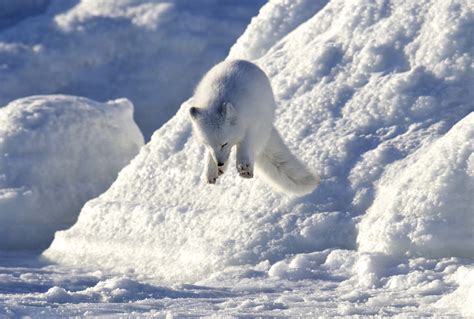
(218,129)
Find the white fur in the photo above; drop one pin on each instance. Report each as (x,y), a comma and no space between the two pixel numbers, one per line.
(234,106)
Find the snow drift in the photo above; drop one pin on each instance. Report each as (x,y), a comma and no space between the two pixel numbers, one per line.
(57,152)
(363,89)
(151,52)
(424,204)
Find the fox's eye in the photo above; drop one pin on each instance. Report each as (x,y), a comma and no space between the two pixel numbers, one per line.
(224,145)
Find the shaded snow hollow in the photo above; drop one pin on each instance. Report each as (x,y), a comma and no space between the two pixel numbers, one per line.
(151,52)
(56,153)
(368,96)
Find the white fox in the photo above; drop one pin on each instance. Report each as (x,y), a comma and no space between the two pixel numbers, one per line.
(234,106)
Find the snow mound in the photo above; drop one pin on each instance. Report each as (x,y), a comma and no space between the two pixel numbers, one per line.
(424,204)
(151,52)
(57,152)
(359,85)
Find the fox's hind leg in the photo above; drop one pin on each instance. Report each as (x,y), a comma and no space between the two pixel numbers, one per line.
(212,171)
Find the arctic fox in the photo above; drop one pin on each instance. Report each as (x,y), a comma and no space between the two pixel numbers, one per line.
(234,106)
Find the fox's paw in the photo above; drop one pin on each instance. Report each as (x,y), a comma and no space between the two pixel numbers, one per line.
(211,180)
(245,170)
(212,177)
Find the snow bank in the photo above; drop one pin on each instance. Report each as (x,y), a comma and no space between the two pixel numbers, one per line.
(57,152)
(359,85)
(151,52)
(424,204)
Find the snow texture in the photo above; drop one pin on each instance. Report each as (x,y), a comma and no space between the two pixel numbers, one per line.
(151,52)
(276,19)
(463,297)
(57,152)
(366,95)
(420,201)
(306,285)
(376,97)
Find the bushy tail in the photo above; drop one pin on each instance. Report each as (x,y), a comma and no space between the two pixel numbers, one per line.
(283,170)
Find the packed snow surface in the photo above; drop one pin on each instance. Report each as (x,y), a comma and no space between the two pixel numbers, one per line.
(57,152)
(306,285)
(151,52)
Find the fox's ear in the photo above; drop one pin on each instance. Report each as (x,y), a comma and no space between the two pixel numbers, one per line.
(227,111)
(194,112)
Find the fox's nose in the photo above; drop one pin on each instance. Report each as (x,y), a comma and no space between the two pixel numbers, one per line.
(220,164)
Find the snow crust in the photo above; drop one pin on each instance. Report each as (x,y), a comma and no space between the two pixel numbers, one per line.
(151,52)
(57,152)
(374,96)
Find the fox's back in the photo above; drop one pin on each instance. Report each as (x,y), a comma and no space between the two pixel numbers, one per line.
(239,82)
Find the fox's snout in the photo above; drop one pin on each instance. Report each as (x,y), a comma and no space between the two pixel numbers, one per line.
(220,157)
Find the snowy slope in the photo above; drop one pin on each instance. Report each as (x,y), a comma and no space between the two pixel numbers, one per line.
(57,152)
(277,18)
(151,52)
(368,94)
(423,198)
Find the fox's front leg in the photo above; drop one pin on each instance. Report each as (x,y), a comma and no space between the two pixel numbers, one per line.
(245,159)
(221,169)
(212,171)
